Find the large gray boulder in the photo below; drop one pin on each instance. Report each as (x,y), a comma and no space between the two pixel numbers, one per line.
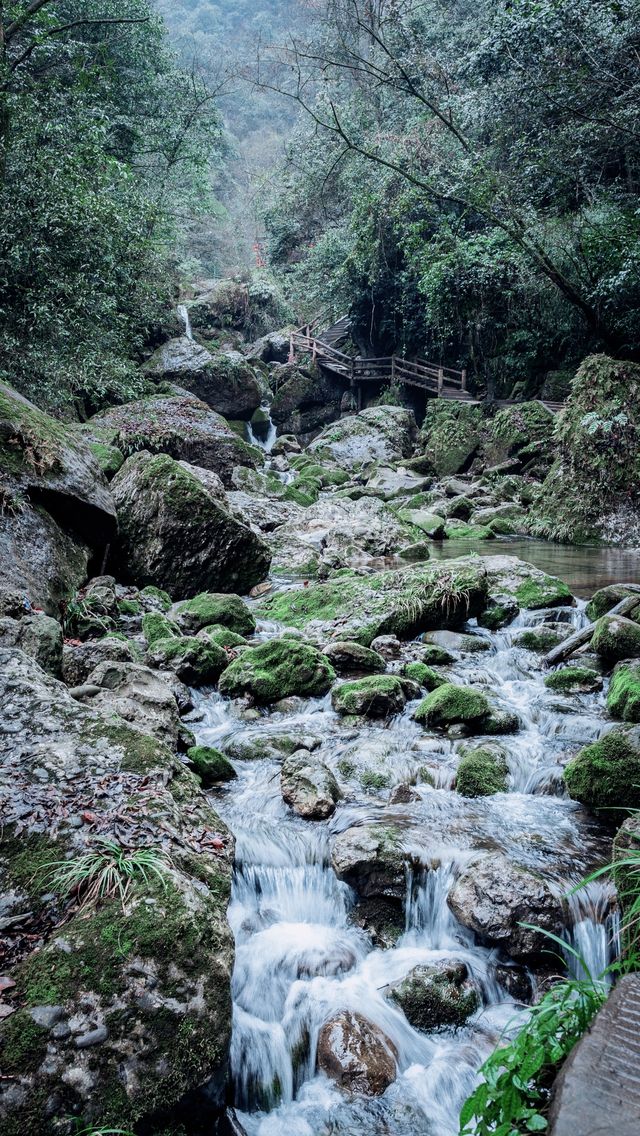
(338,531)
(137,695)
(37,635)
(493,898)
(308,786)
(80,659)
(183,427)
(175,534)
(355,1054)
(379,434)
(162,964)
(305,399)
(225,381)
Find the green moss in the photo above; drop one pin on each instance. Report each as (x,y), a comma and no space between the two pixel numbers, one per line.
(435,656)
(606,775)
(616,638)
(210,765)
(217,609)
(26,860)
(540,639)
(34,440)
(195,661)
(424,675)
(23,1044)
(157,626)
(606,598)
(162,597)
(372,780)
(574,680)
(374,696)
(452,705)
(451,435)
(460,531)
(277,669)
(140,753)
(303,492)
(623,698)
(536,594)
(129,607)
(431,997)
(346,768)
(496,616)
(109,458)
(482,772)
(223,636)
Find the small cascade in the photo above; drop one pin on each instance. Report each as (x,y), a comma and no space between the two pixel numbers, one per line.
(262,431)
(594,933)
(428,919)
(183,312)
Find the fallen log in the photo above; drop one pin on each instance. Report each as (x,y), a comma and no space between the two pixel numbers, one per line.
(567,648)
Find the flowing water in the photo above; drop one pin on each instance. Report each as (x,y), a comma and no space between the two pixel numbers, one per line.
(301,956)
(183,312)
(263,435)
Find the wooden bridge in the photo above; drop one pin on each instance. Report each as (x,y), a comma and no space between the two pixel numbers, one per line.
(436,380)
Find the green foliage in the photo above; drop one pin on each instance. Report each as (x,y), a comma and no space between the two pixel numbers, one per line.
(512,1098)
(106,871)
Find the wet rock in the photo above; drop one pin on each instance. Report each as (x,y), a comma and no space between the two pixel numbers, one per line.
(575,680)
(356,1055)
(616,638)
(528,586)
(183,427)
(482,772)
(176,535)
(434,996)
(371,860)
(306,398)
(79,661)
(277,669)
(225,381)
(451,436)
(429,523)
(500,611)
(543,637)
(379,434)
(308,786)
(346,657)
(493,897)
(605,598)
(623,696)
(338,530)
(37,635)
(269,747)
(606,775)
(516,981)
(378,696)
(388,646)
(138,696)
(456,641)
(194,660)
(93,1037)
(271,348)
(46,1016)
(451,705)
(404,795)
(211,766)
(39,559)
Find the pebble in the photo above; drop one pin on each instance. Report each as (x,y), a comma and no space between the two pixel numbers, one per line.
(61,1031)
(94,1037)
(46,1016)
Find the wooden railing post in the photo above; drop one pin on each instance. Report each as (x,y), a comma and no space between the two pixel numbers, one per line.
(464,380)
(292,350)
(314,351)
(440,380)
(393,369)
(352,376)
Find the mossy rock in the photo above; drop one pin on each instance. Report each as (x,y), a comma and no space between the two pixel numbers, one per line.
(278,669)
(423,675)
(157,595)
(451,435)
(574,680)
(157,626)
(605,598)
(304,491)
(210,765)
(452,705)
(482,772)
(435,656)
(623,698)
(499,613)
(543,638)
(211,608)
(537,594)
(271,747)
(435,996)
(346,656)
(223,636)
(193,660)
(377,696)
(606,774)
(616,638)
(109,458)
(460,531)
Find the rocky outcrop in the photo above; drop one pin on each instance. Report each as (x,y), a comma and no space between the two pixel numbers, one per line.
(378,434)
(277,669)
(371,860)
(137,695)
(79,660)
(356,1055)
(308,786)
(106,998)
(181,426)
(39,636)
(305,400)
(225,381)
(175,534)
(494,897)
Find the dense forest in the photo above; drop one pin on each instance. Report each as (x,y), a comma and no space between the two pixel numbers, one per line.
(319,567)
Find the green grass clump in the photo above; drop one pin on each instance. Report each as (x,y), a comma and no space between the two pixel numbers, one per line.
(371,780)
(107,870)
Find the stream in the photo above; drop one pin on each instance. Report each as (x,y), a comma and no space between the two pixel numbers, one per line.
(302,958)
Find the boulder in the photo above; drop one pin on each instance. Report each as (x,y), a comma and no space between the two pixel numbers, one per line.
(402,602)
(262,512)
(209,608)
(305,399)
(575,680)
(378,434)
(183,427)
(435,996)
(451,435)
(195,661)
(378,696)
(423,675)
(210,766)
(308,786)
(277,669)
(79,661)
(175,534)
(371,859)
(429,523)
(606,774)
(39,636)
(623,696)
(137,695)
(605,598)
(530,587)
(543,637)
(271,348)
(389,482)
(169,977)
(451,705)
(225,381)
(493,897)
(482,772)
(348,657)
(156,625)
(356,1055)
(455,641)
(615,638)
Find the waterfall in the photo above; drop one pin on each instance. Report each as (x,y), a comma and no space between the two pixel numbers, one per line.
(266,433)
(183,312)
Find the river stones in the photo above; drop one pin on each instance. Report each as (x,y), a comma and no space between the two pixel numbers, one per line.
(452,707)
(308,786)
(605,598)
(379,434)
(371,859)
(616,638)
(174,533)
(335,532)
(378,696)
(276,670)
(493,897)
(349,657)
(78,661)
(623,696)
(456,641)
(606,774)
(225,381)
(195,660)
(482,771)
(137,695)
(440,995)
(211,766)
(528,586)
(355,1054)
(575,680)
(211,608)
(542,638)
